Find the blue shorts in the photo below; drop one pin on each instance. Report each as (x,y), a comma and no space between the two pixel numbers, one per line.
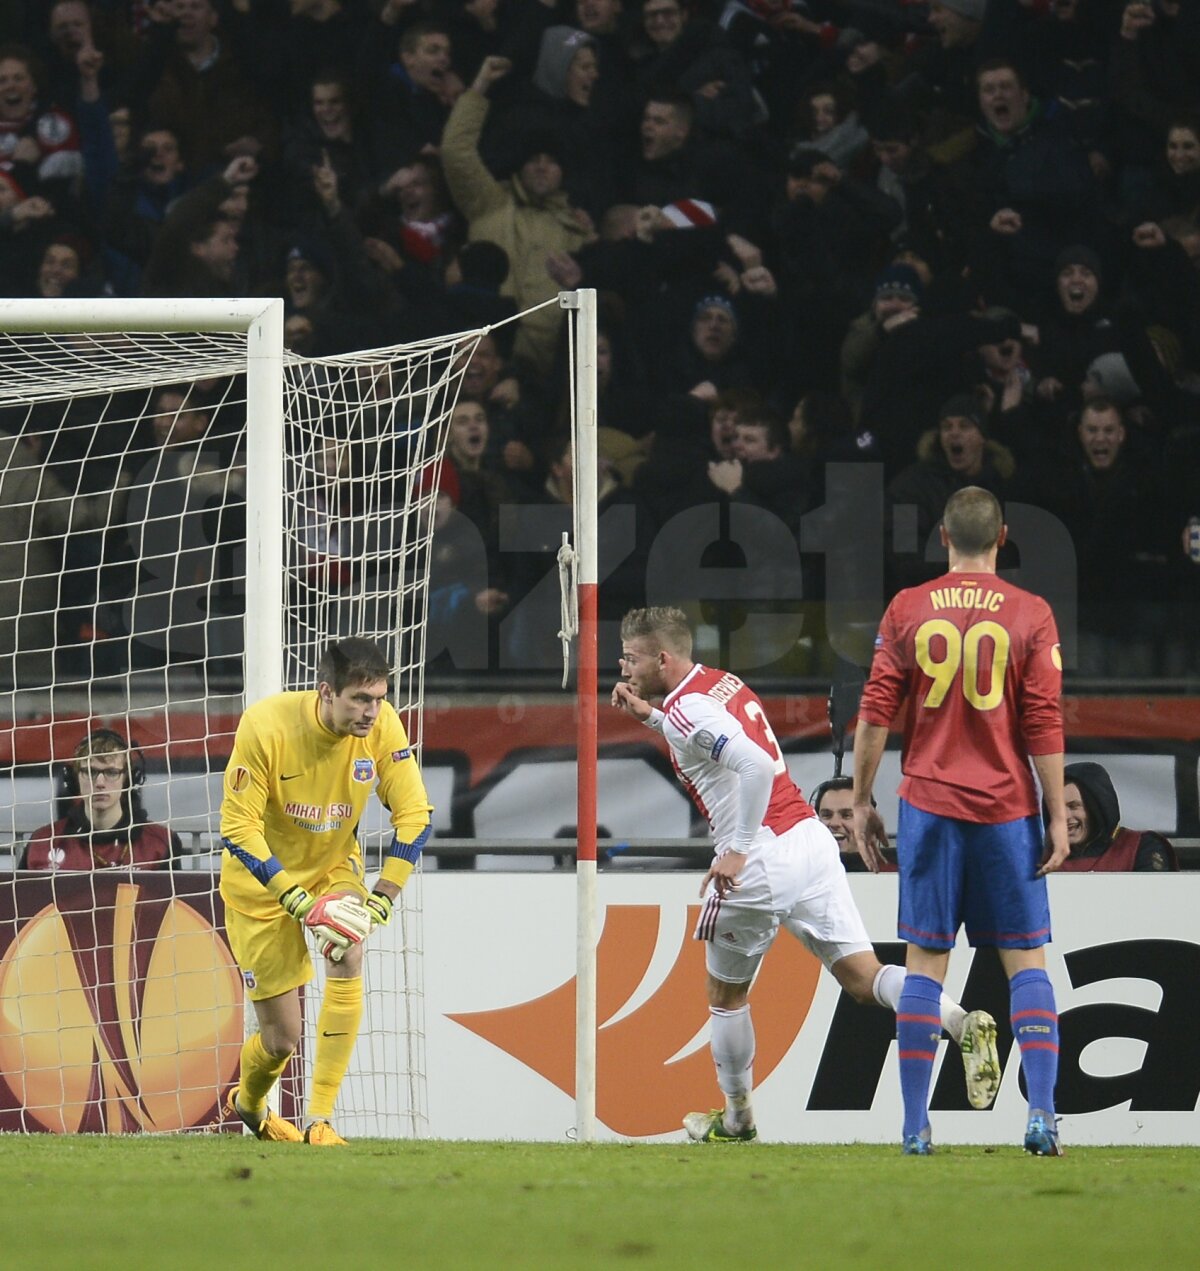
(980,876)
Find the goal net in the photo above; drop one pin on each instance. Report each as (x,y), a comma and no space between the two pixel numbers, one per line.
(188,515)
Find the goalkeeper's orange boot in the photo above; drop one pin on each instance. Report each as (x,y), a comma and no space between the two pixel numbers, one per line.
(322,1134)
(268,1127)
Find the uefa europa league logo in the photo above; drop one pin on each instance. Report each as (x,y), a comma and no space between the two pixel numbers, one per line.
(118,1016)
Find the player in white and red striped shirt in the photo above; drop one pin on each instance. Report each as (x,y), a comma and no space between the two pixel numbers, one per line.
(775,863)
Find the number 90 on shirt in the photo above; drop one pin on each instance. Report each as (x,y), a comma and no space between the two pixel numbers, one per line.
(959,661)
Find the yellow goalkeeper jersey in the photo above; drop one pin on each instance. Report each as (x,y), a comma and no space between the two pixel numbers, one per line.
(294,793)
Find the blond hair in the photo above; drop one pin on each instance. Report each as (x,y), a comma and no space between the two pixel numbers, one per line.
(667,628)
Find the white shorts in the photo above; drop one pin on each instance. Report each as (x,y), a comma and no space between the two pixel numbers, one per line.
(795,879)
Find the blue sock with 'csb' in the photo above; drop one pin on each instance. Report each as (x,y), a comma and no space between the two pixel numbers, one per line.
(1035,1027)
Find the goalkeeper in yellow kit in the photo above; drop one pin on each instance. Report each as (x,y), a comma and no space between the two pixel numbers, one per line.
(302,769)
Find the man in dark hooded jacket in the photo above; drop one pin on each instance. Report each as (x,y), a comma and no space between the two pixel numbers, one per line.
(1099,842)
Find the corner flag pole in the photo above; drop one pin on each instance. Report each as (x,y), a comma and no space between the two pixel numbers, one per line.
(586,486)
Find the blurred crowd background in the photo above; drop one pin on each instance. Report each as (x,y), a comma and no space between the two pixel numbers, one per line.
(948,243)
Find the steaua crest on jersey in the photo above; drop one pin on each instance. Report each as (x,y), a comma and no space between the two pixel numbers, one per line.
(364,770)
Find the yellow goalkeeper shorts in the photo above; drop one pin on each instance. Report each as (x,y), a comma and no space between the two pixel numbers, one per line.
(273,953)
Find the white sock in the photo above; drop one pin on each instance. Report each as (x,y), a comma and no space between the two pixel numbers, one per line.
(733,1054)
(953,1017)
(888,985)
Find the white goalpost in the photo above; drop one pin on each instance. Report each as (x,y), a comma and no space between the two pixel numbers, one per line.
(188,515)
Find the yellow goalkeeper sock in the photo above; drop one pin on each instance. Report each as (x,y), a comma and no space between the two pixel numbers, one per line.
(337,1030)
(259,1072)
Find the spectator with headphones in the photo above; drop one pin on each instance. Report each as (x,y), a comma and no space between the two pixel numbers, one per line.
(101,822)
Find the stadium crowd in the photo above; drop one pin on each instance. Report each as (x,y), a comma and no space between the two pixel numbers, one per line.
(957,240)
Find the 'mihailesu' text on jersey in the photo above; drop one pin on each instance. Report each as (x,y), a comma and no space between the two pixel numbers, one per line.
(974,665)
(702,719)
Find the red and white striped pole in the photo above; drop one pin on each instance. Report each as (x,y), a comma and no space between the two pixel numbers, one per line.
(586,487)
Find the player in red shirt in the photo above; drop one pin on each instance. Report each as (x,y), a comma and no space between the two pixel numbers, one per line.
(972,665)
(775,864)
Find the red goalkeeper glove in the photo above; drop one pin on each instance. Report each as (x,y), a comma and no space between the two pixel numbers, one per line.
(336,922)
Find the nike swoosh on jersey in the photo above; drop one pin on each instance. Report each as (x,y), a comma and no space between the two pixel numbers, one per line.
(291,776)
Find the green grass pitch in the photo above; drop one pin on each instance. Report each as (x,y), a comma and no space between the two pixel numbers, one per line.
(228,1203)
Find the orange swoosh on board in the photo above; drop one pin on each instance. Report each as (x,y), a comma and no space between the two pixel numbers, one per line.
(642,1087)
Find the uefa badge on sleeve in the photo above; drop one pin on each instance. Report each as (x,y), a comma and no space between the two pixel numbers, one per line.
(364,770)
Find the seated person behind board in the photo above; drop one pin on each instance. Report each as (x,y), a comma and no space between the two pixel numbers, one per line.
(833,802)
(101,822)
(1099,842)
